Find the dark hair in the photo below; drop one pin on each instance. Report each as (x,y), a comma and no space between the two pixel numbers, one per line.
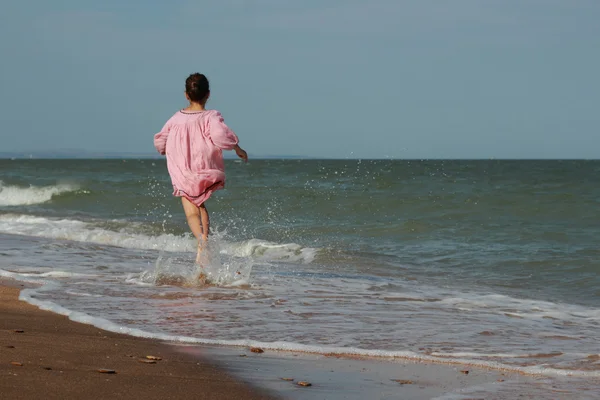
(196,87)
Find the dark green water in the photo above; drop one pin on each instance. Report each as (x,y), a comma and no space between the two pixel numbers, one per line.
(528,227)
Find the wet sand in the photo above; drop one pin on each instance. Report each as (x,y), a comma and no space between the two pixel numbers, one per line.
(347,378)
(47,356)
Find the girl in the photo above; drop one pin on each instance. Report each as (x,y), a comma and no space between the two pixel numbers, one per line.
(193,140)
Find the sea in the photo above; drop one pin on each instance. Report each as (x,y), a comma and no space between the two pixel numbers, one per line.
(484,263)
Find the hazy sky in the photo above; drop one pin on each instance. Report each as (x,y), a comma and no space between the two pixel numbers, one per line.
(322,78)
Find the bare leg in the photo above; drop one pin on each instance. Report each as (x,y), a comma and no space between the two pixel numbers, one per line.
(192,214)
(205,221)
(198,221)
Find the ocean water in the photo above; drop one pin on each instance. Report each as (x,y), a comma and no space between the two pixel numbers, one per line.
(492,263)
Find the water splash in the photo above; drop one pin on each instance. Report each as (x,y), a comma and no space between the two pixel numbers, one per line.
(213,268)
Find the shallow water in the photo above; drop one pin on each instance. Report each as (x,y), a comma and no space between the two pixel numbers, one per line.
(492,263)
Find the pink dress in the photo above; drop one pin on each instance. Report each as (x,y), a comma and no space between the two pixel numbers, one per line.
(193,143)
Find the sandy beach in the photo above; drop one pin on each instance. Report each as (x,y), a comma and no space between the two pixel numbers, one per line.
(44,355)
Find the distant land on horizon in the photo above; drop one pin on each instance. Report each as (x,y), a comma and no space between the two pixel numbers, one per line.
(83,154)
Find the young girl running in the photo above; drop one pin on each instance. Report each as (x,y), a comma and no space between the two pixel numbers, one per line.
(193,140)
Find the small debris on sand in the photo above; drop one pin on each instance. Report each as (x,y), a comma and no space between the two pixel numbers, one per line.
(500,380)
(287,379)
(243,355)
(256,350)
(47,368)
(10,347)
(153,358)
(403,381)
(17,364)
(18,330)
(465,371)
(143,360)
(106,371)
(304,383)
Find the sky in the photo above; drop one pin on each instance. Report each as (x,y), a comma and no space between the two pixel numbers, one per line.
(316,78)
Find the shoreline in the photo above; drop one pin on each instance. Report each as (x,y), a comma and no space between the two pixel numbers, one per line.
(45,355)
(59,356)
(490,366)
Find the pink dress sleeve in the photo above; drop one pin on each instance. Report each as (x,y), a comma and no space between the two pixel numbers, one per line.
(220,134)
(160,139)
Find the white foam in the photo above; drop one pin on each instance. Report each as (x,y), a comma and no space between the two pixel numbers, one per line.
(21,276)
(28,295)
(33,277)
(80,231)
(264,250)
(67,229)
(20,196)
(56,274)
(520,308)
(82,294)
(486,355)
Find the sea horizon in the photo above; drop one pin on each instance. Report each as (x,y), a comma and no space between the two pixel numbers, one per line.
(59,155)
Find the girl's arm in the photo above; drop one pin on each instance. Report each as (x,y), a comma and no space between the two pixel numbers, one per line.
(160,139)
(241,153)
(220,134)
(223,137)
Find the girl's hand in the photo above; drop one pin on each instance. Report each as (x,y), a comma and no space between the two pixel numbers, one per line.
(241,153)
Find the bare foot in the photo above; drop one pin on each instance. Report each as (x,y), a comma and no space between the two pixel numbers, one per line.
(199,255)
(202,244)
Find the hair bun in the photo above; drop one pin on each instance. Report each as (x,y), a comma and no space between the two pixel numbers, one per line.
(197,87)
